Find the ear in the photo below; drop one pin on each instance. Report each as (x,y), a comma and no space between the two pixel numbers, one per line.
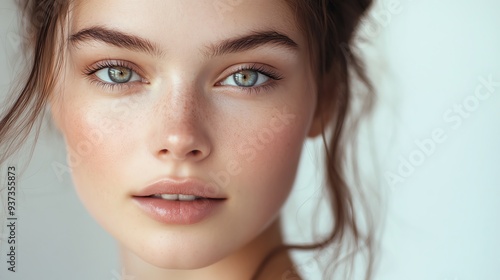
(322,116)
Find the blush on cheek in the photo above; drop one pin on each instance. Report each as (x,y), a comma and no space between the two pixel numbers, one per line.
(270,156)
(95,146)
(266,178)
(250,138)
(280,129)
(92,140)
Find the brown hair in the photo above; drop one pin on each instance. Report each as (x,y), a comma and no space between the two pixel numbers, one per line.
(42,28)
(330,27)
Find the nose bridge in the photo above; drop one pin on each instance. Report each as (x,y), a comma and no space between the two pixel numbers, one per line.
(181,129)
(179,104)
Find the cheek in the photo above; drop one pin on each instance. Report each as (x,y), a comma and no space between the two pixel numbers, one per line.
(264,164)
(95,143)
(272,173)
(96,131)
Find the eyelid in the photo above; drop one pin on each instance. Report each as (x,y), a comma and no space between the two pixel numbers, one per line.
(102,76)
(105,63)
(269,71)
(89,73)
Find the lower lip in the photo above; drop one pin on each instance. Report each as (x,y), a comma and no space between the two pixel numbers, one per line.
(178,212)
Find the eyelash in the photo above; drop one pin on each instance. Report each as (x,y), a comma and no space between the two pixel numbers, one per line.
(273,75)
(91,70)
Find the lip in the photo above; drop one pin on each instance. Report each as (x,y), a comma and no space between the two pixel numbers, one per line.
(187,186)
(180,212)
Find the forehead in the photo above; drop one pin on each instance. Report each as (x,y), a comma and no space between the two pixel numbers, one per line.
(168,21)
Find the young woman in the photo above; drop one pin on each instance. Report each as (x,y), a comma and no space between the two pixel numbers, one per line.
(184,123)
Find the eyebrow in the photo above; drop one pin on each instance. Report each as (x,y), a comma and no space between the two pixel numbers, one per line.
(250,42)
(115,38)
(243,43)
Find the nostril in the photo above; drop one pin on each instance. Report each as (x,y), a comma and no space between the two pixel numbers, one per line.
(195,152)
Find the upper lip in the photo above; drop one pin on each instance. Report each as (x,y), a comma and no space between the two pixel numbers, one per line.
(186,186)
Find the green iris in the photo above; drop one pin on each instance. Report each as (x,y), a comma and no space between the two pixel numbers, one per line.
(120,74)
(246,78)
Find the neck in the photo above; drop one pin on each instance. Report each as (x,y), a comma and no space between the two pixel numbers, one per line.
(242,264)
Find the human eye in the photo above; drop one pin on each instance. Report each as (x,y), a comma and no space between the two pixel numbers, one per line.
(113,74)
(251,78)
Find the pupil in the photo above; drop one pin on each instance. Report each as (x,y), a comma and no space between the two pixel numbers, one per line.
(120,74)
(246,78)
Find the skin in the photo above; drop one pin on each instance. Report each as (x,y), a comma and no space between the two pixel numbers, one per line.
(120,140)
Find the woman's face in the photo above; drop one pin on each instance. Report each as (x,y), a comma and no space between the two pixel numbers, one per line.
(211,98)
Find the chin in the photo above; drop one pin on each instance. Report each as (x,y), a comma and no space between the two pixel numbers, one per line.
(177,256)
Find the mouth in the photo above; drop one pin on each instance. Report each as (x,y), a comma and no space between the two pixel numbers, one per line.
(180,197)
(183,190)
(180,202)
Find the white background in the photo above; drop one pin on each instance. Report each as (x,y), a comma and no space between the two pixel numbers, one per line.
(443,217)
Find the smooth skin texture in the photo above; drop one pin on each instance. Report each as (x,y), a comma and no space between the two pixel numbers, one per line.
(182,115)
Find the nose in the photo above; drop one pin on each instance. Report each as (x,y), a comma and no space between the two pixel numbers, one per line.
(182,128)
(183,147)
